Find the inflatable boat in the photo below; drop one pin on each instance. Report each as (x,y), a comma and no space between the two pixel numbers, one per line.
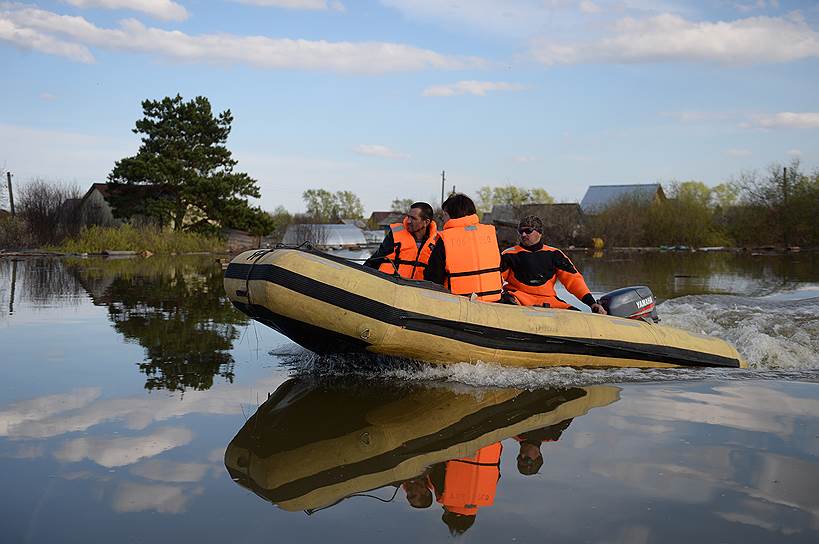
(310,446)
(328,305)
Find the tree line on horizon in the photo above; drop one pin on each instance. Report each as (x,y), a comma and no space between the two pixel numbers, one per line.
(184,178)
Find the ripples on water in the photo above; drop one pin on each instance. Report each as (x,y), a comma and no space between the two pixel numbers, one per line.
(128,381)
(777,334)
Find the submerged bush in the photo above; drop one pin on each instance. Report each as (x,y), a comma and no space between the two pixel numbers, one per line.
(14,233)
(97,239)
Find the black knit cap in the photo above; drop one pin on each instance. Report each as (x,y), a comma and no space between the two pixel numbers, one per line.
(533,222)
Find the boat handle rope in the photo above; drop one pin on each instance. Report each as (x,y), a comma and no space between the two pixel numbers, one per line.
(254,259)
(311,511)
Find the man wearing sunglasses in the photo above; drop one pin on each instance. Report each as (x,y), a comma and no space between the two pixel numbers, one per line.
(531,268)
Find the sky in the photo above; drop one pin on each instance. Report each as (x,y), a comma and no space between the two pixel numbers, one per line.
(379,97)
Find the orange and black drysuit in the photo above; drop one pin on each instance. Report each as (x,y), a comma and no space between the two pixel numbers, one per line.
(466,259)
(530,273)
(400,249)
(551,433)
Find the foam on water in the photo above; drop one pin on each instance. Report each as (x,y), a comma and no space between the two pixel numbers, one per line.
(769,332)
(778,335)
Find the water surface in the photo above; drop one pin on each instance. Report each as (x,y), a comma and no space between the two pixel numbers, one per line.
(138,405)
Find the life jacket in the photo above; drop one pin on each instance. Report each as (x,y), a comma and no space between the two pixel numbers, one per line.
(538,289)
(407,256)
(472,258)
(471,482)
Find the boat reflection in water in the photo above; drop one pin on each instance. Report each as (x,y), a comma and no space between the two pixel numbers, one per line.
(309,446)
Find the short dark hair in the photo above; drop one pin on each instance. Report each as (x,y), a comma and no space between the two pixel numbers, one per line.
(533,222)
(459,205)
(528,466)
(426,209)
(457,523)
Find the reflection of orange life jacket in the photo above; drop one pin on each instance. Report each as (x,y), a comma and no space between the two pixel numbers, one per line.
(472,258)
(471,482)
(407,256)
(544,294)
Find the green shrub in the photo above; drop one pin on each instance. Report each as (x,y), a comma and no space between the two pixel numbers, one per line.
(14,233)
(97,239)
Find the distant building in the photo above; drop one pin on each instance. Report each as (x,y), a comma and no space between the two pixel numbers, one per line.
(96,205)
(599,196)
(325,236)
(562,223)
(382,220)
(360,223)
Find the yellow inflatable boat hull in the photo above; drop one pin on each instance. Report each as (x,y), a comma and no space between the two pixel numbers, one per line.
(330,305)
(309,447)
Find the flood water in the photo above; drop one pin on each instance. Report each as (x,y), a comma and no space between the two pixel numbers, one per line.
(138,406)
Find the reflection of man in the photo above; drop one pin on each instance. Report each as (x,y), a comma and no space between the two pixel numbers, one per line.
(530,458)
(530,270)
(461,487)
(418,491)
(407,245)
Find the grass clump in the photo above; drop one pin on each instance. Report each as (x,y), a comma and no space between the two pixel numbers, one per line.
(97,239)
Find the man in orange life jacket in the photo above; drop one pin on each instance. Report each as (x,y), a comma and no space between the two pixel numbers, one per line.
(530,270)
(466,259)
(462,486)
(407,245)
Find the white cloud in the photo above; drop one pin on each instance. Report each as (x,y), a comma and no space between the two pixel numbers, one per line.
(117,452)
(697,116)
(41,408)
(161,9)
(26,38)
(73,156)
(170,471)
(134,497)
(48,97)
(587,6)
(794,152)
(523,159)
(34,28)
(78,411)
(376,150)
(312,5)
(478,88)
(671,38)
(786,119)
(738,152)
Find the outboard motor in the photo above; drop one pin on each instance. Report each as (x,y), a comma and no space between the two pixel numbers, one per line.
(632,303)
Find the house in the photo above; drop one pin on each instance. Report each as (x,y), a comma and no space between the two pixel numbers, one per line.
(599,197)
(382,220)
(96,206)
(562,223)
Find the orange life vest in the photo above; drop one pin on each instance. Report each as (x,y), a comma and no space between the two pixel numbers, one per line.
(540,295)
(471,482)
(407,256)
(472,258)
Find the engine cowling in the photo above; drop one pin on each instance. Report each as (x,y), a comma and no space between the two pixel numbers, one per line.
(632,303)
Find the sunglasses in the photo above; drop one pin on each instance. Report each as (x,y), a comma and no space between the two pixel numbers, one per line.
(526,230)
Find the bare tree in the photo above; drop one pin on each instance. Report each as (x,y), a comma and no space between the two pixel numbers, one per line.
(50,210)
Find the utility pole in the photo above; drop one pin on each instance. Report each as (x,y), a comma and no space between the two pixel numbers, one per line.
(443,180)
(785,214)
(11,195)
(13,284)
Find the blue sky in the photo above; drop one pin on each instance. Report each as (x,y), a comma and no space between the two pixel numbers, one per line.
(379,96)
